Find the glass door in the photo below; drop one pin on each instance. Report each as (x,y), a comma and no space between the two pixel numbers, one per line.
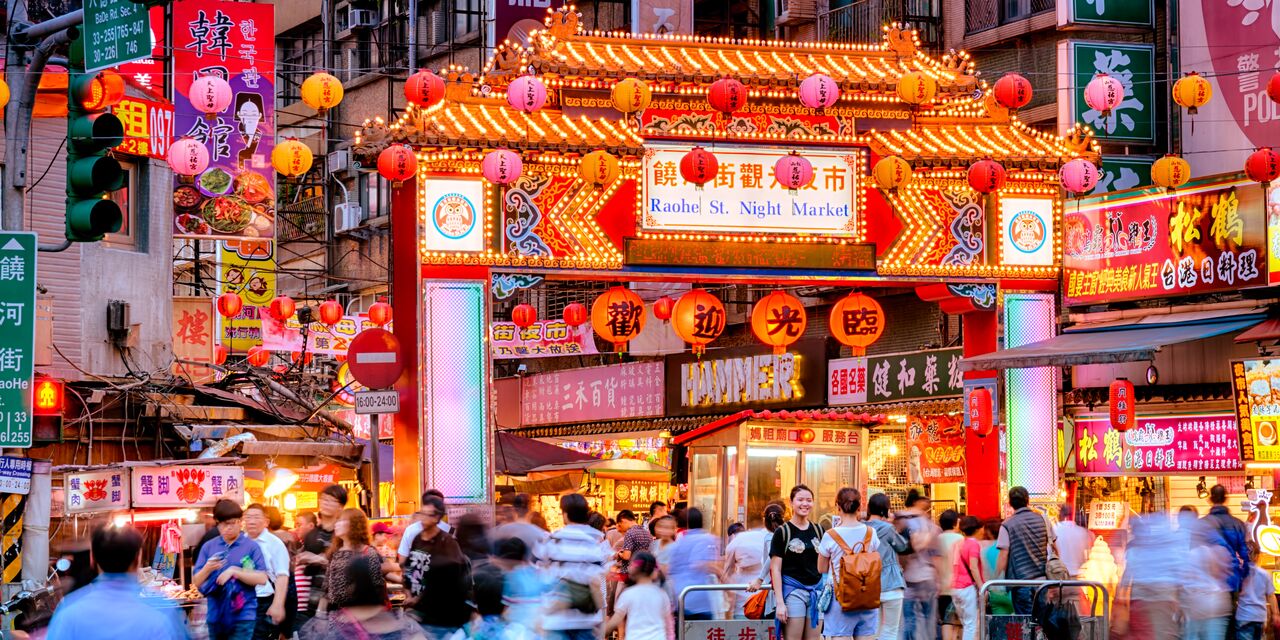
(704,489)
(770,475)
(826,475)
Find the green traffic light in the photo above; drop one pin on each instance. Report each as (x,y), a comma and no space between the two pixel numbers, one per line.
(89,220)
(96,132)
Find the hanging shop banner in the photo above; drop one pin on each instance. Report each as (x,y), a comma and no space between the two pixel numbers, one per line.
(1104,13)
(246,267)
(897,376)
(148,127)
(727,380)
(1158,444)
(1027,234)
(322,340)
(1256,385)
(193,337)
(745,197)
(935,450)
(1133,65)
(235,196)
(186,485)
(96,491)
(615,392)
(542,339)
(1236,47)
(662,17)
(1208,236)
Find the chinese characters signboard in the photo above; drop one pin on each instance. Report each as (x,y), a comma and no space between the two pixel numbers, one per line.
(1124,13)
(1146,243)
(93,491)
(1119,173)
(768,433)
(1256,386)
(15,474)
(631,390)
(1236,47)
(321,340)
(235,196)
(727,380)
(148,127)
(193,337)
(637,495)
(1158,444)
(541,339)
(1106,516)
(894,377)
(115,32)
(1134,66)
(935,449)
(246,267)
(186,486)
(745,197)
(17,335)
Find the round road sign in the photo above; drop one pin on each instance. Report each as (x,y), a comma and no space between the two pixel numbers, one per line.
(374,358)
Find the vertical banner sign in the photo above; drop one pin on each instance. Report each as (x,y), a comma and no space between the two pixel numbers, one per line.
(935,450)
(235,196)
(115,32)
(193,337)
(1133,65)
(17,335)
(246,267)
(1236,47)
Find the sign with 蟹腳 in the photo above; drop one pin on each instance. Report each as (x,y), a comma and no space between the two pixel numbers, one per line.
(615,392)
(1158,444)
(186,485)
(96,491)
(745,196)
(115,32)
(542,339)
(17,336)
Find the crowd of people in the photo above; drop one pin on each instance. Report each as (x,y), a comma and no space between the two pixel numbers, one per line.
(868,572)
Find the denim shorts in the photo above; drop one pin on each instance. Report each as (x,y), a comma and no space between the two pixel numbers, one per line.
(798,603)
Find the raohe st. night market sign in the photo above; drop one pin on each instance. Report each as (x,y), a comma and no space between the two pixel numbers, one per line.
(1145,243)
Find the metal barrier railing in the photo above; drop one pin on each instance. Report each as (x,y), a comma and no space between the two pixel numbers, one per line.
(763,627)
(1099,590)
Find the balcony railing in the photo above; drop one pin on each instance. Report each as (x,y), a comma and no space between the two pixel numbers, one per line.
(862,21)
(980,15)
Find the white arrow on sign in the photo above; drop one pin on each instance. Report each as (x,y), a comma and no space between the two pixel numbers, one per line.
(12,245)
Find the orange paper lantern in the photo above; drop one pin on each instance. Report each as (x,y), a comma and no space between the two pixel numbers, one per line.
(258,356)
(662,308)
(1123,405)
(397,164)
(281,308)
(524,315)
(698,318)
(330,312)
(857,321)
(230,304)
(380,313)
(617,315)
(219,354)
(575,314)
(778,320)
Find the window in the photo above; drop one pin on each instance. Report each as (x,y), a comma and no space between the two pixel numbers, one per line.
(375,196)
(299,55)
(131,235)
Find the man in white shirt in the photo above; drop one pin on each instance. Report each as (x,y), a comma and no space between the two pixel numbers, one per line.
(1074,540)
(414,529)
(272,594)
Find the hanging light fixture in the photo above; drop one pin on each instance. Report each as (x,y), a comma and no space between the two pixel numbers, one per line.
(279,480)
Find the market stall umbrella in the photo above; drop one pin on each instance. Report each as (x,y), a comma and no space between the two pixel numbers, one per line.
(516,456)
(618,469)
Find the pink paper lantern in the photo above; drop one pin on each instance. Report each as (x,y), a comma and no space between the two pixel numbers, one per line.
(819,91)
(793,171)
(1103,93)
(188,157)
(209,95)
(501,166)
(526,94)
(1079,176)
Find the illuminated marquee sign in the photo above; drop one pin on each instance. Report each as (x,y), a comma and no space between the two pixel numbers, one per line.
(148,127)
(746,198)
(1027,236)
(453,214)
(750,377)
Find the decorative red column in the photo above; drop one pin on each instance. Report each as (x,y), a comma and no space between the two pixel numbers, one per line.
(406,300)
(982,455)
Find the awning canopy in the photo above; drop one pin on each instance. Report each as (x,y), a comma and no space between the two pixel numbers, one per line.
(1266,330)
(516,456)
(616,469)
(1111,343)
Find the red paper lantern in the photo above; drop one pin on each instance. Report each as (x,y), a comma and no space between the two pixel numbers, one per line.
(294,356)
(980,411)
(727,95)
(617,315)
(986,176)
(424,89)
(281,308)
(258,356)
(397,164)
(857,321)
(1263,166)
(219,354)
(662,308)
(330,312)
(1013,91)
(524,315)
(699,166)
(380,313)
(698,318)
(778,320)
(575,314)
(230,304)
(1273,87)
(1124,409)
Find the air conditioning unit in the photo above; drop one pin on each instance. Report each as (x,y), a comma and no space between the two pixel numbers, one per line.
(439,25)
(347,216)
(363,19)
(339,161)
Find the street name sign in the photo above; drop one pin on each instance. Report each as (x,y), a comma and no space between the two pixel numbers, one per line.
(115,32)
(17,335)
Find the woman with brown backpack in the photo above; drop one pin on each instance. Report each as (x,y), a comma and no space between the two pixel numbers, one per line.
(849,554)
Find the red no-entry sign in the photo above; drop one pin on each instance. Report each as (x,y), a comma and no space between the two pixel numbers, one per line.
(374,358)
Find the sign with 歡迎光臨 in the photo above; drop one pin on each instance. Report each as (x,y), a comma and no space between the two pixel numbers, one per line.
(95,491)
(1157,444)
(1207,236)
(185,485)
(892,377)
(745,197)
